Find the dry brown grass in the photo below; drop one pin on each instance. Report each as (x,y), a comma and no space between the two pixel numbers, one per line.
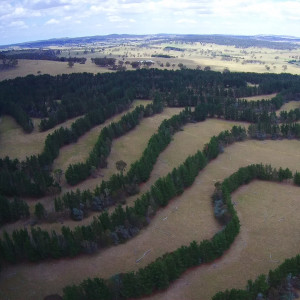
(268,236)
(27,66)
(288,106)
(17,144)
(190,217)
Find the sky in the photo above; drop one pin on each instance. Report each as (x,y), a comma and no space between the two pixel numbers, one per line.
(31,20)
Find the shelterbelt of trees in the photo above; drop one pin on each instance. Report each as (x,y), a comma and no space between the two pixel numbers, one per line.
(122,224)
(103,95)
(164,270)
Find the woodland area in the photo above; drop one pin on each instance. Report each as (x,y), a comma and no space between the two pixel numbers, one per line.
(93,99)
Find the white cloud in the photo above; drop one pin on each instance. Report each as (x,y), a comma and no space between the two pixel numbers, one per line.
(174,16)
(52,21)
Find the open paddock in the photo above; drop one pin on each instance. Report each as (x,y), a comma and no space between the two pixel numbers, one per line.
(17,144)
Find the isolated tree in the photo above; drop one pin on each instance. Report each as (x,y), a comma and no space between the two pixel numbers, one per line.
(121,165)
(70,64)
(57,174)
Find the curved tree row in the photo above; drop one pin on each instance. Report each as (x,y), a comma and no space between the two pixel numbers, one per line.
(119,185)
(78,172)
(159,274)
(120,225)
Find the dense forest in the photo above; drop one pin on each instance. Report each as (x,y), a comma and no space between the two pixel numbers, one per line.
(94,99)
(58,98)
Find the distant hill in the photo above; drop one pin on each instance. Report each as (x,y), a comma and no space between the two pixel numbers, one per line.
(268,41)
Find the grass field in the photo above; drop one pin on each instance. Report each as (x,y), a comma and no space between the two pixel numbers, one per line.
(33,143)
(186,218)
(288,106)
(36,67)
(17,144)
(263,208)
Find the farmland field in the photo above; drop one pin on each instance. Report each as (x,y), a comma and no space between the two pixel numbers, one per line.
(193,55)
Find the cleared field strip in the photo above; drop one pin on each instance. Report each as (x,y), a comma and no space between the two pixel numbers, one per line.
(186,218)
(187,142)
(288,106)
(17,144)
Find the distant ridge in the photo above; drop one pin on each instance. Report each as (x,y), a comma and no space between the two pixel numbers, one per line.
(269,41)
